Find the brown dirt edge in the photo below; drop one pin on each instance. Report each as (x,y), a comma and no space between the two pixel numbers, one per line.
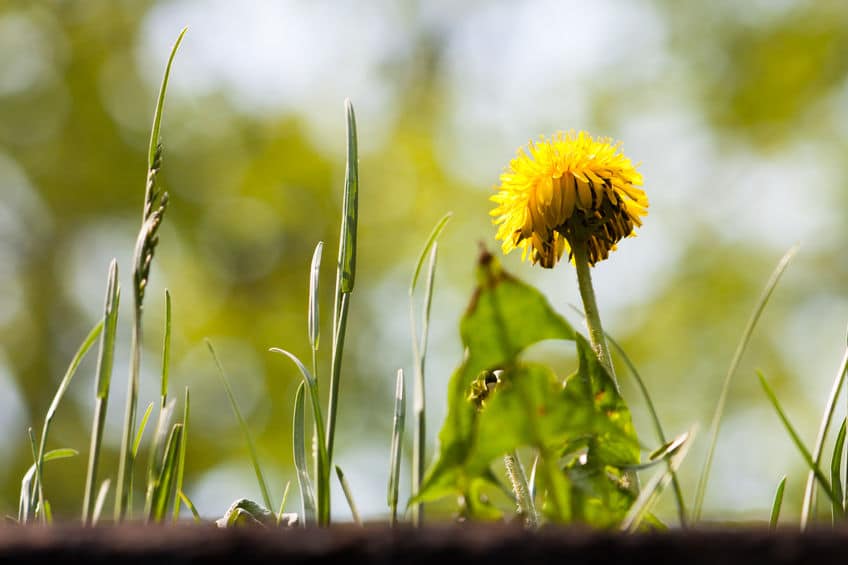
(434,545)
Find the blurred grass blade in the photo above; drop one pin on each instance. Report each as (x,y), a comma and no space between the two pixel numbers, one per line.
(187,501)
(57,399)
(725,387)
(181,460)
(166,348)
(649,495)
(419,353)
(314,319)
(100,501)
(283,502)
(141,427)
(776,505)
(818,448)
(156,461)
(105,361)
(254,458)
(164,483)
(27,482)
(796,439)
(397,444)
(160,102)
(26,506)
(323,468)
(345,273)
(531,482)
(348,495)
(307,495)
(836,473)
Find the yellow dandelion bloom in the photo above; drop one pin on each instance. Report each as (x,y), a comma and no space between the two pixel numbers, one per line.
(571,186)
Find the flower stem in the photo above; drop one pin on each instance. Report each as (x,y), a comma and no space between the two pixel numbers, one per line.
(521,489)
(590,306)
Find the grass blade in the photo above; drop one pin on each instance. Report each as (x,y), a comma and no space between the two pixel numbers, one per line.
(141,427)
(283,502)
(105,362)
(649,495)
(345,272)
(29,476)
(167,476)
(425,252)
(734,363)
(348,495)
(254,458)
(323,468)
(57,399)
(314,319)
(181,460)
(818,448)
(166,348)
(190,505)
(307,495)
(397,442)
(160,102)
(100,501)
(796,439)
(836,473)
(158,447)
(776,505)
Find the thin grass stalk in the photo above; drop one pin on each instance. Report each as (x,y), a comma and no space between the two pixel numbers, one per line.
(155,204)
(345,272)
(182,458)
(105,361)
(100,502)
(419,354)
(283,502)
(777,504)
(51,411)
(818,448)
(24,509)
(164,484)
(838,509)
(190,505)
(348,495)
(307,494)
(521,490)
(796,439)
(398,425)
(725,387)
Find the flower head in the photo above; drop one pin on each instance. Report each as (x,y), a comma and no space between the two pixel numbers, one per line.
(571,186)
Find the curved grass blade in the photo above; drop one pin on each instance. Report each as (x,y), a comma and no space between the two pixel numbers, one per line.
(157,455)
(649,495)
(141,427)
(160,102)
(796,439)
(181,461)
(100,501)
(818,448)
(283,503)
(314,319)
(57,399)
(725,387)
(431,239)
(778,502)
(398,425)
(345,273)
(190,505)
(254,458)
(348,495)
(167,476)
(307,495)
(323,467)
(836,473)
(29,476)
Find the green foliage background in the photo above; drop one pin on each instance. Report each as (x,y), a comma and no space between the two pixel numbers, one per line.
(760,89)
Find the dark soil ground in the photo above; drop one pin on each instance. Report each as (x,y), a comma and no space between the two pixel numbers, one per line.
(471,545)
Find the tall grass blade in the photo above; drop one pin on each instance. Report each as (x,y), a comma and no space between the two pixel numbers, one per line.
(157,455)
(836,473)
(419,354)
(155,203)
(649,495)
(307,494)
(734,363)
(57,399)
(164,484)
(348,495)
(398,424)
(345,272)
(796,439)
(100,502)
(182,457)
(323,469)
(776,505)
(254,458)
(818,448)
(166,349)
(141,427)
(105,361)
(25,508)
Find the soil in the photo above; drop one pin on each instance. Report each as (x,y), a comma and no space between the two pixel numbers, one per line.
(434,545)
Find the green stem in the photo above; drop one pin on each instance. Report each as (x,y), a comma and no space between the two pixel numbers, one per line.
(521,489)
(590,306)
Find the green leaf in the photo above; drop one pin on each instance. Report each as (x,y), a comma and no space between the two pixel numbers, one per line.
(167,475)
(776,505)
(398,427)
(142,426)
(307,494)
(836,472)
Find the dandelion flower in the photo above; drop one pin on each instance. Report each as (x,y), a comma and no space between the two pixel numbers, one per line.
(571,186)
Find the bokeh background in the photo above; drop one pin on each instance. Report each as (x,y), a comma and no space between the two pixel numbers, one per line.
(738,114)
